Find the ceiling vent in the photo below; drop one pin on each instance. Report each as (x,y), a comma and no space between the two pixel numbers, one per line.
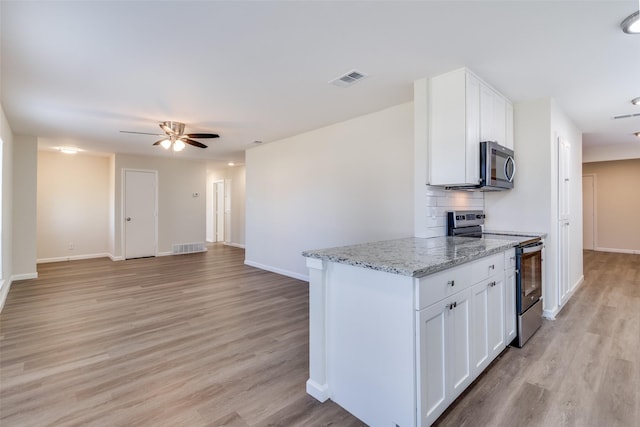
(348,79)
(626,116)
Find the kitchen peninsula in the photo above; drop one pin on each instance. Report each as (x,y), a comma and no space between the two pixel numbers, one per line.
(399,328)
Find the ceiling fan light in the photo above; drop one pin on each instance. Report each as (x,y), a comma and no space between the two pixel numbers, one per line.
(166,144)
(631,24)
(178,145)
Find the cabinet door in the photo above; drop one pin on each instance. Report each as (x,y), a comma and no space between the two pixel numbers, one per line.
(458,346)
(510,330)
(496,313)
(454,121)
(480,331)
(493,116)
(509,126)
(472,129)
(487,131)
(431,357)
(488,321)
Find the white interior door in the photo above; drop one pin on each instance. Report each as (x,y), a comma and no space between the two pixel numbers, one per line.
(140,220)
(588,212)
(218,190)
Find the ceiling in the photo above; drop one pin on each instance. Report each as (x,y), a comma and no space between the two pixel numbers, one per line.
(77,73)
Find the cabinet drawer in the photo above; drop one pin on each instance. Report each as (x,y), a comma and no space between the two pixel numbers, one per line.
(485,267)
(438,286)
(510,259)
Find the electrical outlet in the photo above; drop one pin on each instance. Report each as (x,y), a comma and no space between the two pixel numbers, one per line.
(71,246)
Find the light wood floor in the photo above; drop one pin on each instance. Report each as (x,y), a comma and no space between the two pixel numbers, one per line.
(189,340)
(203,340)
(582,369)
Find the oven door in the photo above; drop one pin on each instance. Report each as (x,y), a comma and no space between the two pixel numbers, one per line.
(529,278)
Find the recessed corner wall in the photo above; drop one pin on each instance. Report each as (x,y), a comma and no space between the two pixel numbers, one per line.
(616,194)
(73,206)
(347,183)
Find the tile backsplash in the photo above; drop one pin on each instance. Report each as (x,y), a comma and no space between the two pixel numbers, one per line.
(439,201)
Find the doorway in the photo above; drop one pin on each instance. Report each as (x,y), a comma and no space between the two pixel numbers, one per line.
(139,213)
(588,211)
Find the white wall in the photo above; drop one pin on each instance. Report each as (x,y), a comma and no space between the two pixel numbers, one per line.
(532,204)
(7,212)
(73,206)
(181,217)
(236,174)
(604,153)
(25,170)
(347,183)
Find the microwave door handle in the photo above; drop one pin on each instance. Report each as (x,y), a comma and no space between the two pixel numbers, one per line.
(506,172)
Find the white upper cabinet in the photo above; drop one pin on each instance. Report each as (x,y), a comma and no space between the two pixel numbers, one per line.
(462,112)
(493,116)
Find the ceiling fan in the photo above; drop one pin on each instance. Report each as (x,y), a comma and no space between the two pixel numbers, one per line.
(175,136)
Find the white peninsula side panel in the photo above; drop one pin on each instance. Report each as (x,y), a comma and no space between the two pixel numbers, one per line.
(370,313)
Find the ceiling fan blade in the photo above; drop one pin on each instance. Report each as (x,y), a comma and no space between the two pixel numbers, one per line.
(141,133)
(192,142)
(203,135)
(159,142)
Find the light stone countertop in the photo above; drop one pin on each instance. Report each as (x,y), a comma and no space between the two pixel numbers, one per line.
(413,256)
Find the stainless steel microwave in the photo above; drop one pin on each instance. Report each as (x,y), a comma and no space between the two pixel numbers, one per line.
(497,166)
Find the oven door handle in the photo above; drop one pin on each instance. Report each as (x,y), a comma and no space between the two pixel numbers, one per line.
(533,248)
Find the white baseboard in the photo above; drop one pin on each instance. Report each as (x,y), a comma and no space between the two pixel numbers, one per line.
(235,245)
(620,251)
(25,276)
(73,258)
(5,285)
(551,314)
(115,258)
(320,392)
(164,253)
(277,270)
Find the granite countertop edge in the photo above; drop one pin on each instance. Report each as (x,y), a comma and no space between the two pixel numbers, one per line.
(422,262)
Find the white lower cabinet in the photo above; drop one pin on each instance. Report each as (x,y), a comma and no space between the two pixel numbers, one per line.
(487,334)
(460,335)
(444,354)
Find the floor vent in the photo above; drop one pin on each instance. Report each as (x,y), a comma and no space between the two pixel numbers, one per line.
(348,79)
(188,248)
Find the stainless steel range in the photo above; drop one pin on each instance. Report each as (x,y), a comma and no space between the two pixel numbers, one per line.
(528,268)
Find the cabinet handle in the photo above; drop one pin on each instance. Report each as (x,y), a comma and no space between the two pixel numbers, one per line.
(453,305)
(492,284)
(492,267)
(451,283)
